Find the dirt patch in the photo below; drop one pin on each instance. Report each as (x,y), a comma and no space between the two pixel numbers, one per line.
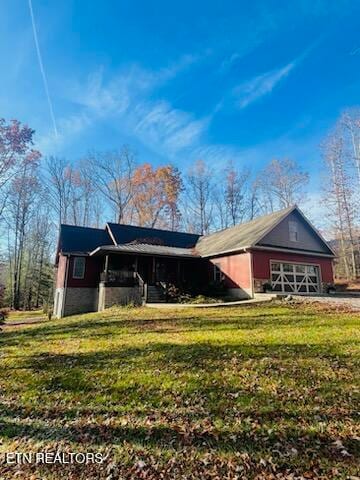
(24,321)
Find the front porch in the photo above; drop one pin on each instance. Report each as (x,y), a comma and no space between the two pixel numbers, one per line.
(144,278)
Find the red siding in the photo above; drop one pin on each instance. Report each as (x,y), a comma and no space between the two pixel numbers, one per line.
(61,271)
(92,273)
(236,269)
(261,263)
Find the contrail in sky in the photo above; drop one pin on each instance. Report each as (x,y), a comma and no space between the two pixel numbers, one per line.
(41,65)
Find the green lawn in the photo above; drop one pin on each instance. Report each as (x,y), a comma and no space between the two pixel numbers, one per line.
(266,392)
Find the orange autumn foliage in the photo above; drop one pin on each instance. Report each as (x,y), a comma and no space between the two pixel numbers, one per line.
(156,195)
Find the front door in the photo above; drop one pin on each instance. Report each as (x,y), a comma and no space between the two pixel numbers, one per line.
(160,270)
(144,268)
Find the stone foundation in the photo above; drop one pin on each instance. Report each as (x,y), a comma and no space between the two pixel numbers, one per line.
(110,296)
(259,284)
(71,301)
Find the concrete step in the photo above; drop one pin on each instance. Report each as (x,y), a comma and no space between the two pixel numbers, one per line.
(155,294)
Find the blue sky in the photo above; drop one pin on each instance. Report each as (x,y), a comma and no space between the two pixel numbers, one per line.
(177,81)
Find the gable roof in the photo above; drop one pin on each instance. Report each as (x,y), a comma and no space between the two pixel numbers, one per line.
(133,239)
(246,235)
(122,234)
(73,239)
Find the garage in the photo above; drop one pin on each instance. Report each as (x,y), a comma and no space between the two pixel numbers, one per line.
(295,278)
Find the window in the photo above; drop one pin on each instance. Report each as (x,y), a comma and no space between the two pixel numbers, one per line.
(218,276)
(293,231)
(79,267)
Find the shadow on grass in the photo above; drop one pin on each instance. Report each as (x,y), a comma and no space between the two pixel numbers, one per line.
(110,327)
(191,355)
(180,421)
(202,435)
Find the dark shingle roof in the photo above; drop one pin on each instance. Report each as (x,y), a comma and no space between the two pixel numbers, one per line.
(132,234)
(239,236)
(146,249)
(133,239)
(81,239)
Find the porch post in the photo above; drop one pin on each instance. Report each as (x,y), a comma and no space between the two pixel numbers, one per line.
(136,264)
(106,268)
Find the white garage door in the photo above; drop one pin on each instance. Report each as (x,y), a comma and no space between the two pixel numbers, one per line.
(295,278)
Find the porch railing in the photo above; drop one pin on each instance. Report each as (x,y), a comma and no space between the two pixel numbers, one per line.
(119,277)
(124,278)
(142,286)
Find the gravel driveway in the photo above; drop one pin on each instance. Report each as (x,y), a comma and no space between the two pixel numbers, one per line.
(352,301)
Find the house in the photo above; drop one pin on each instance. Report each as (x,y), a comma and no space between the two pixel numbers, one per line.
(98,268)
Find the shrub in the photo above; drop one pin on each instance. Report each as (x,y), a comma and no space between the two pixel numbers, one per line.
(267,287)
(204,299)
(173,293)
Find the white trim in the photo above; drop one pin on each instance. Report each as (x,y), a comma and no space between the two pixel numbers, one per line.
(317,265)
(111,234)
(93,252)
(293,251)
(65,285)
(226,252)
(251,271)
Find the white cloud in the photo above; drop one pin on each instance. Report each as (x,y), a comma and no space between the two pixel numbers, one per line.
(166,129)
(261,85)
(228,61)
(68,128)
(124,100)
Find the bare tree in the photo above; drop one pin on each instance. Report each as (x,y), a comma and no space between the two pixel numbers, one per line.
(350,123)
(59,187)
(339,197)
(221,219)
(19,212)
(283,183)
(235,193)
(198,190)
(254,206)
(113,176)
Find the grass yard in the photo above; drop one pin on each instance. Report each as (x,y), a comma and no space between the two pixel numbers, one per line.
(265,392)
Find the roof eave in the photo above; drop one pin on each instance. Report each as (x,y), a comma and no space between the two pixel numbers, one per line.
(226,252)
(105,250)
(297,252)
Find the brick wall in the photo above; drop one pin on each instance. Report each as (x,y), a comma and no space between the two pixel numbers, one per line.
(110,296)
(80,300)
